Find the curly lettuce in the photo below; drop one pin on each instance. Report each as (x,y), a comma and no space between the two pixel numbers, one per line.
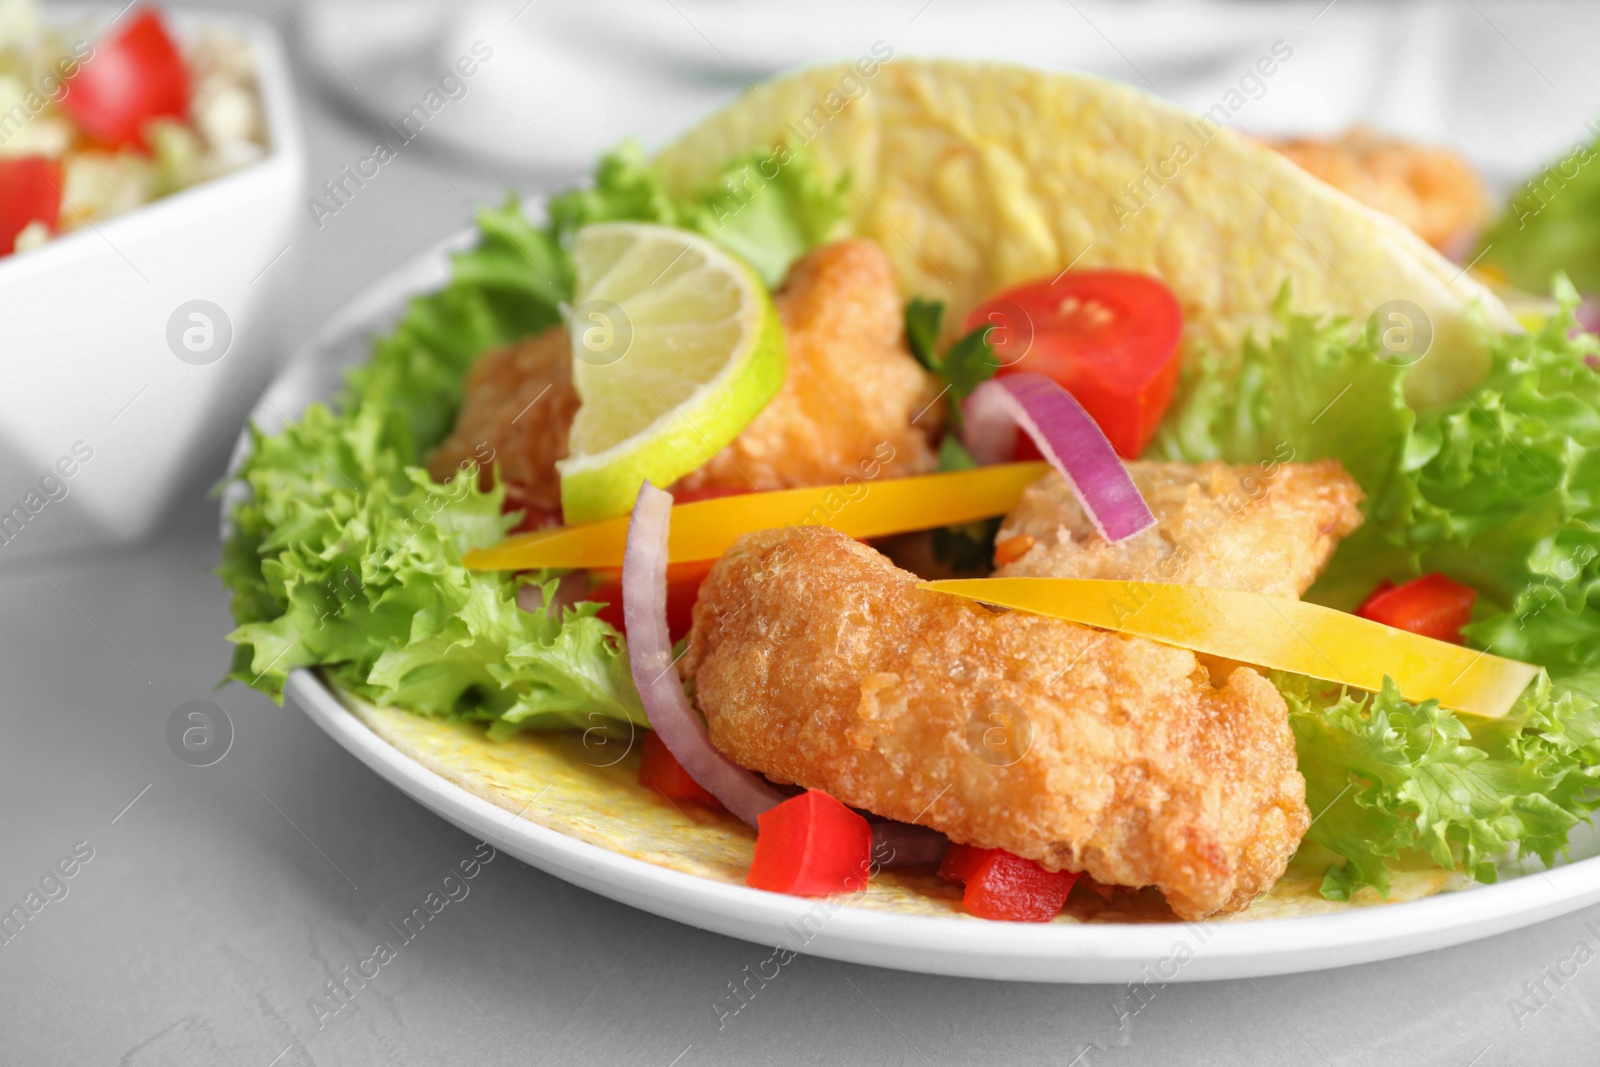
(1551,225)
(1500,489)
(344,555)
(1385,777)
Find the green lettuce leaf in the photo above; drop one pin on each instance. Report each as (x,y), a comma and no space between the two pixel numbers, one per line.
(345,555)
(1501,490)
(766,208)
(347,558)
(1551,225)
(1385,777)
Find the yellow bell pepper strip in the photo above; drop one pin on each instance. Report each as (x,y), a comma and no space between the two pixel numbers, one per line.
(706,528)
(1274,632)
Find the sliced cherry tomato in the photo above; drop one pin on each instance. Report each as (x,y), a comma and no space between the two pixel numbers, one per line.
(1433,606)
(683,589)
(1108,337)
(30,191)
(134,75)
(660,770)
(1003,885)
(812,846)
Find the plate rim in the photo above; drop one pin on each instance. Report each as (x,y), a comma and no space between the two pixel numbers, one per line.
(956,946)
(953,946)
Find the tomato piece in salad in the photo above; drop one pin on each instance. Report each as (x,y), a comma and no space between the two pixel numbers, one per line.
(30,191)
(811,845)
(1433,606)
(1108,337)
(660,770)
(1002,885)
(134,76)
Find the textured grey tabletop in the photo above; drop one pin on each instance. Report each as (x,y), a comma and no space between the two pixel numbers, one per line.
(210,906)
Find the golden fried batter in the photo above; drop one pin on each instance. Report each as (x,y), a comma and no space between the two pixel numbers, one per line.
(516,407)
(1266,529)
(848,401)
(852,389)
(818,662)
(1434,192)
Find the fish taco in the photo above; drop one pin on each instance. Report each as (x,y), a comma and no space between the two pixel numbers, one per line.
(985,492)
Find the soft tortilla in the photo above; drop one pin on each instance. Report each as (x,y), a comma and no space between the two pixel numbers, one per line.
(593,794)
(978,176)
(973,177)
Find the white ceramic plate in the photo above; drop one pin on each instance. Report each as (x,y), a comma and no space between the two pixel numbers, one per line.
(1057,952)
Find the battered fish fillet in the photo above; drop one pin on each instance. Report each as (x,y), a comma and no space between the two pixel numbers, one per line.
(853,388)
(1267,529)
(818,662)
(851,398)
(1432,191)
(516,408)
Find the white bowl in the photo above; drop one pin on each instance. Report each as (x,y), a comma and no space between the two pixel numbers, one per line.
(100,422)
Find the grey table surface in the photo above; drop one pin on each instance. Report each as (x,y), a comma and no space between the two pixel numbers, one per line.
(219,901)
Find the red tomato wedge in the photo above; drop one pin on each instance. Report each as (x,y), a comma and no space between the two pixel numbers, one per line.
(1002,885)
(660,770)
(1108,337)
(135,75)
(30,191)
(811,846)
(1433,606)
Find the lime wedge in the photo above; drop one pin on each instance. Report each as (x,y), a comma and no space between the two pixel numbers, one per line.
(675,348)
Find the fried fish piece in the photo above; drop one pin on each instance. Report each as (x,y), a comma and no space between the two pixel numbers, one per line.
(816,661)
(853,394)
(516,408)
(1266,529)
(1432,191)
(850,402)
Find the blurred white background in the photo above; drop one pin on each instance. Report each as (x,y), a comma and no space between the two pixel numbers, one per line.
(1510,84)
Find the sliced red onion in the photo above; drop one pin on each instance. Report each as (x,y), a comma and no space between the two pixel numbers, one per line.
(902,844)
(1587,314)
(1067,437)
(644,611)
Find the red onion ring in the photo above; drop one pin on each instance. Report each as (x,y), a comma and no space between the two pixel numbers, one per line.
(1067,437)
(903,844)
(644,611)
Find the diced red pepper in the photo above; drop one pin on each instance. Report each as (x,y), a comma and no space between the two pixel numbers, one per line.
(961,860)
(811,846)
(683,589)
(660,770)
(1433,606)
(30,191)
(134,76)
(683,579)
(1002,885)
